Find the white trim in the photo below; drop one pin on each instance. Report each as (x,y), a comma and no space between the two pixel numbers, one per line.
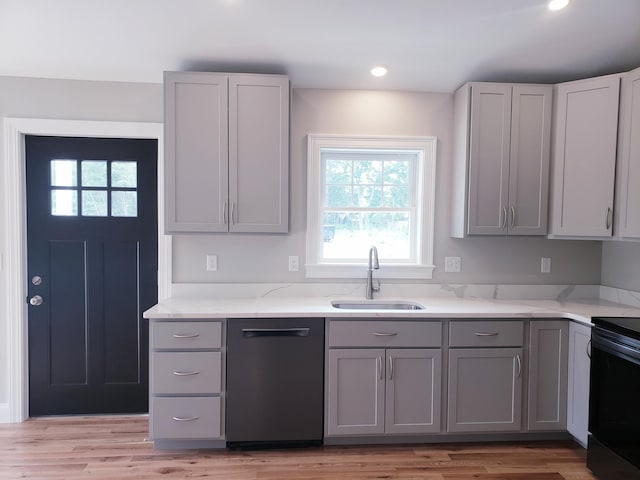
(14,214)
(425,212)
(4,413)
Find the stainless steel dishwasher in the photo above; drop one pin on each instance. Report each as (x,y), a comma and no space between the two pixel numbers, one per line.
(275,381)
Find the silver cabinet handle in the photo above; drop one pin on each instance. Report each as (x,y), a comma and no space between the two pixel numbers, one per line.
(231,216)
(189,335)
(185,419)
(379,362)
(588,348)
(186,374)
(381,334)
(513,216)
(607,219)
(224,213)
(390,367)
(482,334)
(519,360)
(503,223)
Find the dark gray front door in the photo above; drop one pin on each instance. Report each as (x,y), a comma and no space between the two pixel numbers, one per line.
(92,271)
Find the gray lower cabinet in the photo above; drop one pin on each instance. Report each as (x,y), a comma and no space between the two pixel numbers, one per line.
(578,382)
(548,344)
(376,391)
(186,380)
(485,377)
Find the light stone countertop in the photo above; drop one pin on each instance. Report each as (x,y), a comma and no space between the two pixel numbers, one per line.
(202,307)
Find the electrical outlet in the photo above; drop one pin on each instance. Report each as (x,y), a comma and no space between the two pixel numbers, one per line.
(452,264)
(545,265)
(212,263)
(294,263)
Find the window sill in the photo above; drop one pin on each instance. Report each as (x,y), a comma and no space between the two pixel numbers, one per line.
(413,272)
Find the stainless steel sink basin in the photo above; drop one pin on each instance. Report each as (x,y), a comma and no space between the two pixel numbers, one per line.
(379,305)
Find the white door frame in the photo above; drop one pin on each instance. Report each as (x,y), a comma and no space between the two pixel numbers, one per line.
(14,312)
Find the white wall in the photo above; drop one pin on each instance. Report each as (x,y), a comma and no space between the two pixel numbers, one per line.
(621,265)
(248,258)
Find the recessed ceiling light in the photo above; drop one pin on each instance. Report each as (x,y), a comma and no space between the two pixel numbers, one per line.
(558,4)
(379,70)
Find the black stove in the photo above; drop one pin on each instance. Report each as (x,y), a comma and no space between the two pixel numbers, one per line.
(629,326)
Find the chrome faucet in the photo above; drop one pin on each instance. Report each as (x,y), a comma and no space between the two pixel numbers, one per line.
(373,265)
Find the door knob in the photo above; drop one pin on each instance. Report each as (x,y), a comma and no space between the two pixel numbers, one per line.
(36,300)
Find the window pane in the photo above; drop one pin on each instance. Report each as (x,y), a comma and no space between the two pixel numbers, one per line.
(64,202)
(338,171)
(94,203)
(338,196)
(124,174)
(124,204)
(64,173)
(367,171)
(396,172)
(367,196)
(348,235)
(94,173)
(396,197)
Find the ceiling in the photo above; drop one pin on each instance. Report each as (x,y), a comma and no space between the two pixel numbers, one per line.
(429,45)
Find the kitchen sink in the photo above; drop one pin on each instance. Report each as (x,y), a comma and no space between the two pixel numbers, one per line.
(379,305)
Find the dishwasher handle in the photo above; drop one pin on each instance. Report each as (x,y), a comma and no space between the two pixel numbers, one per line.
(275,332)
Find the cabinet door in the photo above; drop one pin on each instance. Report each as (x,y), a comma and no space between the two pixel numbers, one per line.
(578,392)
(548,375)
(529,159)
(628,208)
(413,391)
(258,153)
(485,390)
(584,157)
(355,392)
(489,158)
(196,152)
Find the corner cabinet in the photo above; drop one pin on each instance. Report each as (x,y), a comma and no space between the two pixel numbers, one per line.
(226,152)
(383,377)
(485,376)
(627,223)
(584,157)
(548,343)
(501,159)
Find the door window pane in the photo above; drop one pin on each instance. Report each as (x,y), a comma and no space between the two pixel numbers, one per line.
(64,202)
(94,203)
(94,173)
(124,174)
(124,204)
(64,173)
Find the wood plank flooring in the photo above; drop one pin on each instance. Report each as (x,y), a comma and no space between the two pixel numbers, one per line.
(114,448)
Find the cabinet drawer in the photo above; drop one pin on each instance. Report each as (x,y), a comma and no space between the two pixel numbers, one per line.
(186,372)
(186,418)
(480,333)
(186,335)
(385,334)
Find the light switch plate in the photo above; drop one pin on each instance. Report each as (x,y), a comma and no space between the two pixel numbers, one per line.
(545,264)
(294,263)
(452,264)
(212,263)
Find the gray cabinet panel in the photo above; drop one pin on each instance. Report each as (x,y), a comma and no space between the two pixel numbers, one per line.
(485,333)
(355,392)
(187,372)
(578,382)
(185,418)
(185,335)
(413,391)
(381,333)
(548,358)
(485,390)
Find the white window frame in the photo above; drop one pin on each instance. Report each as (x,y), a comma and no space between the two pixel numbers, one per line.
(423,267)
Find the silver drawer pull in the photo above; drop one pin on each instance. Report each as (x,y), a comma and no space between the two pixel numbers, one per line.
(185,374)
(380,334)
(480,334)
(191,335)
(185,419)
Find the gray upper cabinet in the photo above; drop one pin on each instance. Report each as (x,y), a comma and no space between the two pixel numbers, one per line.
(226,152)
(627,223)
(584,156)
(501,159)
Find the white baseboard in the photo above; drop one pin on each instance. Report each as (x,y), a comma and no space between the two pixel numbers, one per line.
(4,413)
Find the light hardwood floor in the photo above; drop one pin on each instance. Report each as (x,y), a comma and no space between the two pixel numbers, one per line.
(114,448)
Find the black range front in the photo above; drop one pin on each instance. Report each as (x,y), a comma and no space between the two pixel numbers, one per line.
(614,401)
